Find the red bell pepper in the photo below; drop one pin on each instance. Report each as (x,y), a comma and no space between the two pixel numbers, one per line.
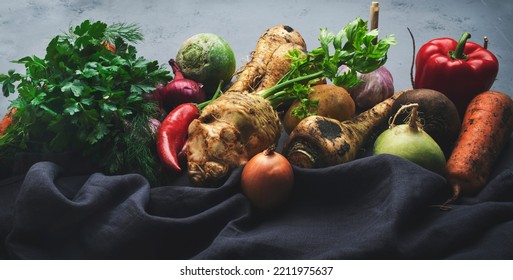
(460,70)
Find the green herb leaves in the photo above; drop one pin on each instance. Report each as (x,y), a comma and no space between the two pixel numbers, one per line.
(354,45)
(84,95)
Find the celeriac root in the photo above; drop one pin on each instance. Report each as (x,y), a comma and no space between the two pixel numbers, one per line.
(229,131)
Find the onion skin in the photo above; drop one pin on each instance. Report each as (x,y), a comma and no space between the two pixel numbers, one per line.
(267,179)
(377,86)
(179,91)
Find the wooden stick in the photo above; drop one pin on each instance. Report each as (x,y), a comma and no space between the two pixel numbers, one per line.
(485,44)
(374,17)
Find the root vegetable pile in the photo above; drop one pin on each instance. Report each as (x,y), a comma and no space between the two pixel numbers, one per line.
(243,122)
(240,123)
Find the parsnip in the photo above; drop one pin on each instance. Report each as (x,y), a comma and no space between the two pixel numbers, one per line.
(319,141)
(278,65)
(266,51)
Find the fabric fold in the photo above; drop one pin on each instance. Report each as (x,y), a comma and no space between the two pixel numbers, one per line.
(375,207)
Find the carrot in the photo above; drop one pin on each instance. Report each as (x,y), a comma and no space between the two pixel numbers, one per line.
(254,71)
(6,121)
(319,141)
(486,128)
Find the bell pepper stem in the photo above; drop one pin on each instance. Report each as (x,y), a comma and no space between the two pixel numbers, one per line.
(458,53)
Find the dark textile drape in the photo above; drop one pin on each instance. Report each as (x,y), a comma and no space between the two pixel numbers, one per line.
(376,207)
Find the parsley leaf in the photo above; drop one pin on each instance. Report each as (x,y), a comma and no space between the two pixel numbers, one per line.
(353,46)
(83,97)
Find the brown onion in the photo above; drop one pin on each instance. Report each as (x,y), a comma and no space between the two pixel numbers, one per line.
(267,179)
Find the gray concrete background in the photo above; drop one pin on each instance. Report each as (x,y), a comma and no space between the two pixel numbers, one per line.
(26,26)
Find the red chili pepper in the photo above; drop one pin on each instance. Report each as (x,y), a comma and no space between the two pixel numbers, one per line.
(172,134)
(460,70)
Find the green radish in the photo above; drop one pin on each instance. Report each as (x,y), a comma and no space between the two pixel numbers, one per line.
(411,142)
(208,59)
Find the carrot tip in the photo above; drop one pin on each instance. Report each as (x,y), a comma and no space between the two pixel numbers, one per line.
(446,206)
(442,207)
(455,195)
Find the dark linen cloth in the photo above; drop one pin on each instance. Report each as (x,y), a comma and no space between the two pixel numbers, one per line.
(375,207)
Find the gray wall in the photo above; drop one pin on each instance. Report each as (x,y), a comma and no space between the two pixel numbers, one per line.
(28,25)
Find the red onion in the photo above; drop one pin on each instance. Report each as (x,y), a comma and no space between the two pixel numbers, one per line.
(377,86)
(180,90)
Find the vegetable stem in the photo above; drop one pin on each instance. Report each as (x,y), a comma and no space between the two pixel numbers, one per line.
(412,80)
(458,53)
(176,69)
(412,122)
(267,93)
(374,18)
(413,118)
(270,151)
(280,98)
(216,95)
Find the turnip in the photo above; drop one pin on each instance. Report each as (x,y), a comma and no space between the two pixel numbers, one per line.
(411,142)
(439,116)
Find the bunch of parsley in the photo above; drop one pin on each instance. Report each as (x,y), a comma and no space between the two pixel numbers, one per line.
(83,97)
